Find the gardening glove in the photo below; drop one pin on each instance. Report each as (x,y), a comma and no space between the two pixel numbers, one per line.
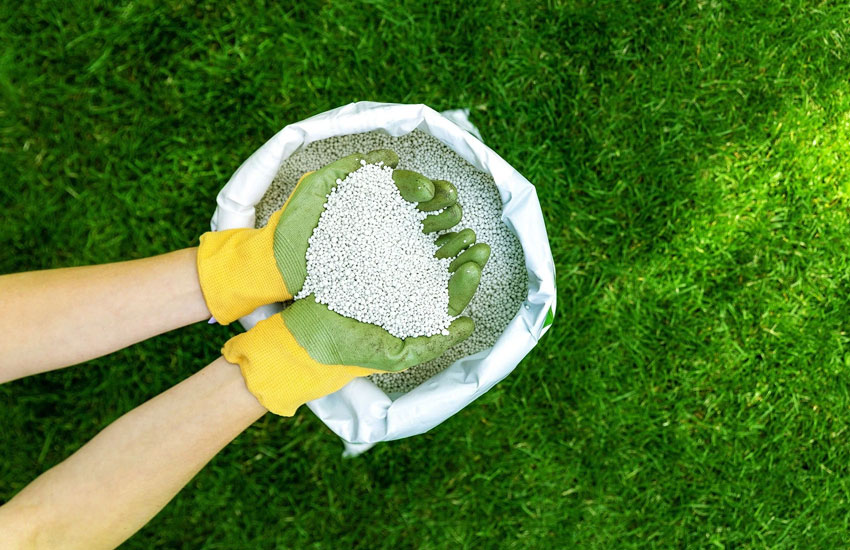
(308,351)
(242,269)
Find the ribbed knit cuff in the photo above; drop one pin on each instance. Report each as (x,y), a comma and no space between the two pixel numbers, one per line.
(238,272)
(279,372)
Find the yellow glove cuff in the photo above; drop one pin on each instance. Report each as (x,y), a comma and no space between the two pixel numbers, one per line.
(279,372)
(238,273)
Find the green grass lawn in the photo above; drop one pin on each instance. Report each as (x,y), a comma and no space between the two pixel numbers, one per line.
(691,160)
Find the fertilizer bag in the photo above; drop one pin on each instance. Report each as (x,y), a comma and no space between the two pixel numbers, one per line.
(361,413)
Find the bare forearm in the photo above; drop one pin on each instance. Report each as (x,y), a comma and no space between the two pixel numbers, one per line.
(129,471)
(60,317)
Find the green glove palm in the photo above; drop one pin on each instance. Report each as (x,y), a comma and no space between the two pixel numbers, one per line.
(333,339)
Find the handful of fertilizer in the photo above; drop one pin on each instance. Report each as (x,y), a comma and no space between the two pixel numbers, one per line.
(503,281)
(376,255)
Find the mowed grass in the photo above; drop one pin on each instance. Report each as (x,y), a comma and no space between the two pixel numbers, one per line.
(691,161)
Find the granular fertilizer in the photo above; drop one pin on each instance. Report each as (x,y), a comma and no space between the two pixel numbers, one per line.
(368,258)
(504,282)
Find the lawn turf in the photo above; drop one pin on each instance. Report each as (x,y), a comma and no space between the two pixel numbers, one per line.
(690,161)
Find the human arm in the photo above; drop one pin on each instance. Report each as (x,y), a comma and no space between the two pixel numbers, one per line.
(132,468)
(60,317)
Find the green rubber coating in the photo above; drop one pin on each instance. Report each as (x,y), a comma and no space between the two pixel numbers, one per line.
(414,187)
(462,287)
(444,238)
(331,339)
(449,217)
(445,195)
(389,158)
(454,246)
(478,253)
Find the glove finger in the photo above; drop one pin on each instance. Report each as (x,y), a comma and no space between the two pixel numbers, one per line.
(444,238)
(454,243)
(478,253)
(413,186)
(462,286)
(446,219)
(445,195)
(424,348)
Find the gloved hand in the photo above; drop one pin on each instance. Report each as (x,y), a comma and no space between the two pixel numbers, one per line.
(242,269)
(308,351)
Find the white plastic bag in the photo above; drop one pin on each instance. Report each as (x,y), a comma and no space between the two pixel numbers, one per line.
(361,413)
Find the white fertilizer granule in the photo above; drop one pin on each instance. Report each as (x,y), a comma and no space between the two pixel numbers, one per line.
(368,258)
(504,281)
